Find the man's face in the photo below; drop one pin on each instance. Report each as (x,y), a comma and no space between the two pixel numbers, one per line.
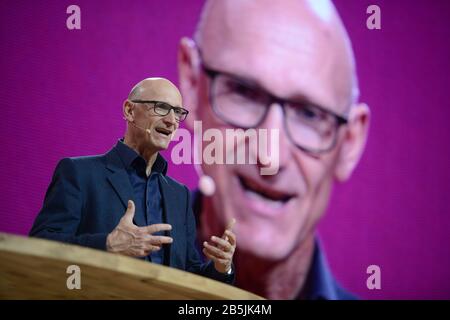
(160,128)
(294,61)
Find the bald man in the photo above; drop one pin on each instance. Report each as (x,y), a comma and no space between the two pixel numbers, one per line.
(123,201)
(285,65)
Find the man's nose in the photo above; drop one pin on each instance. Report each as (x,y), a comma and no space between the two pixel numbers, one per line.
(170,118)
(275,121)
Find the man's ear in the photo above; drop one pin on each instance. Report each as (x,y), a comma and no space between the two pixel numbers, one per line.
(128,111)
(354,141)
(189,70)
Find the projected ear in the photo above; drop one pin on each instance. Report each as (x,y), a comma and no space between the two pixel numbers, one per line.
(189,71)
(354,141)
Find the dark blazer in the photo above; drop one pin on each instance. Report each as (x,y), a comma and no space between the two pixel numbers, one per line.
(88,196)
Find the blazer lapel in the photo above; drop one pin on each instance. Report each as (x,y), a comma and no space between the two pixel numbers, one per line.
(170,212)
(118,177)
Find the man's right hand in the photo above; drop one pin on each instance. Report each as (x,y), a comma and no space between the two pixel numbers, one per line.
(131,240)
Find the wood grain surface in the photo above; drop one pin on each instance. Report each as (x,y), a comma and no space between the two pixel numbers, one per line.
(33,268)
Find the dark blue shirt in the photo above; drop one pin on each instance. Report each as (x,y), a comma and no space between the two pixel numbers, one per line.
(320,283)
(146,192)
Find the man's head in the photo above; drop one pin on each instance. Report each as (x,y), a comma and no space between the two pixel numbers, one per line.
(297,51)
(151,120)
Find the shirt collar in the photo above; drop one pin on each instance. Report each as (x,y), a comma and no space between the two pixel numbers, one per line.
(129,156)
(321,284)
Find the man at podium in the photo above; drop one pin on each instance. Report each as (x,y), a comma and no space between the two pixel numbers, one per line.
(123,201)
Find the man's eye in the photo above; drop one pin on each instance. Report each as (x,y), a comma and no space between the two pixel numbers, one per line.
(178,111)
(309,114)
(163,106)
(243,91)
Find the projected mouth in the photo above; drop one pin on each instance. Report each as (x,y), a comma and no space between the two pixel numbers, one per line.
(163,131)
(263,192)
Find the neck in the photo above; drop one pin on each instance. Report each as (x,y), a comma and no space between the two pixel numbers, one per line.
(282,279)
(148,154)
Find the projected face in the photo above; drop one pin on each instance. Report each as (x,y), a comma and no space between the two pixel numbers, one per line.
(299,55)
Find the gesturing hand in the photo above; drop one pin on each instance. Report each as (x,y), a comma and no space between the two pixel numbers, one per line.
(222,251)
(131,240)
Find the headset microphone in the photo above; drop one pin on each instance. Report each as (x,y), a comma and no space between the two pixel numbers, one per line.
(135,125)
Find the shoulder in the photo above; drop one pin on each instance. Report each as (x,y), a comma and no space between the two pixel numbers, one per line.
(80,165)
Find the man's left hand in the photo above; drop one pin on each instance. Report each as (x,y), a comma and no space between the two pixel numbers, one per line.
(221,250)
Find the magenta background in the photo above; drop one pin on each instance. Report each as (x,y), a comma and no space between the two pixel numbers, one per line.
(61,94)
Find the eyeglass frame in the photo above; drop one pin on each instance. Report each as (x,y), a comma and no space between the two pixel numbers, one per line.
(212,74)
(154,102)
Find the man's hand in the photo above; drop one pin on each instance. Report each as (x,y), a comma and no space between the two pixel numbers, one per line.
(221,252)
(131,240)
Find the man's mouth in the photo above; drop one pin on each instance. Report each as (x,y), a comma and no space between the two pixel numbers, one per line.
(265,194)
(164,131)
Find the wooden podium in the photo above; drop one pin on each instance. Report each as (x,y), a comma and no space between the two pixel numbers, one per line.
(33,268)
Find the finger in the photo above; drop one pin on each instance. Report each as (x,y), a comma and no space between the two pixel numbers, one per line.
(231,237)
(208,255)
(158,227)
(222,243)
(160,240)
(148,248)
(215,251)
(230,226)
(129,213)
(214,258)
(140,253)
(146,252)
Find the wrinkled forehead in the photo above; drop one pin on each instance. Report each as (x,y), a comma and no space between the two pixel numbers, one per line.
(294,48)
(159,91)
